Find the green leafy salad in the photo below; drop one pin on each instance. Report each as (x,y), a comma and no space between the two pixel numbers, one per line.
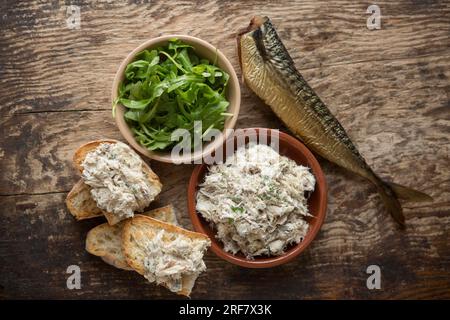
(169,88)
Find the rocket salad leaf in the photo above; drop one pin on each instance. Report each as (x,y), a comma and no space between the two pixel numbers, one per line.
(168,88)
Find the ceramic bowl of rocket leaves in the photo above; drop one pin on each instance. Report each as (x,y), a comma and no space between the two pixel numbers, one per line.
(171,93)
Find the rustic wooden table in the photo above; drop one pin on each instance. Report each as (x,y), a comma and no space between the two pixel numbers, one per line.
(389,88)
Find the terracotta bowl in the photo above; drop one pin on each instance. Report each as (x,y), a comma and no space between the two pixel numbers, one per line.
(317,202)
(204,50)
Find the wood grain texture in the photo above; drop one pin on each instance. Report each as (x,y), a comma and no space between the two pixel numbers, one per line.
(389,88)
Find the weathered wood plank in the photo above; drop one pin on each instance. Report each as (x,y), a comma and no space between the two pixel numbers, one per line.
(400,122)
(389,88)
(39,240)
(47,66)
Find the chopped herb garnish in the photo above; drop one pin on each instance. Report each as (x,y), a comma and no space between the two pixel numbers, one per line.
(237,209)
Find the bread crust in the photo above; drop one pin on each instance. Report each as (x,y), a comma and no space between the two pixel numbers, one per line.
(145,227)
(80,203)
(114,255)
(84,213)
(82,151)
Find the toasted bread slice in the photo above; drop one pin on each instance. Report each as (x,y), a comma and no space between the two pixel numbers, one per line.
(80,155)
(80,203)
(105,240)
(81,152)
(140,228)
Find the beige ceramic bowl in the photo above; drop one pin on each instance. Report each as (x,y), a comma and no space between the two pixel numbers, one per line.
(204,50)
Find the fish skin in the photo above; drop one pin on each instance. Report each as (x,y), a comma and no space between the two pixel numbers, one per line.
(270,72)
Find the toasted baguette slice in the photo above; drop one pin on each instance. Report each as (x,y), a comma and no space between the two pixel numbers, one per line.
(112,218)
(80,203)
(81,152)
(140,228)
(105,240)
(80,155)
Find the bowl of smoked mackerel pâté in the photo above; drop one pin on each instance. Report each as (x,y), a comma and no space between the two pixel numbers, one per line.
(289,147)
